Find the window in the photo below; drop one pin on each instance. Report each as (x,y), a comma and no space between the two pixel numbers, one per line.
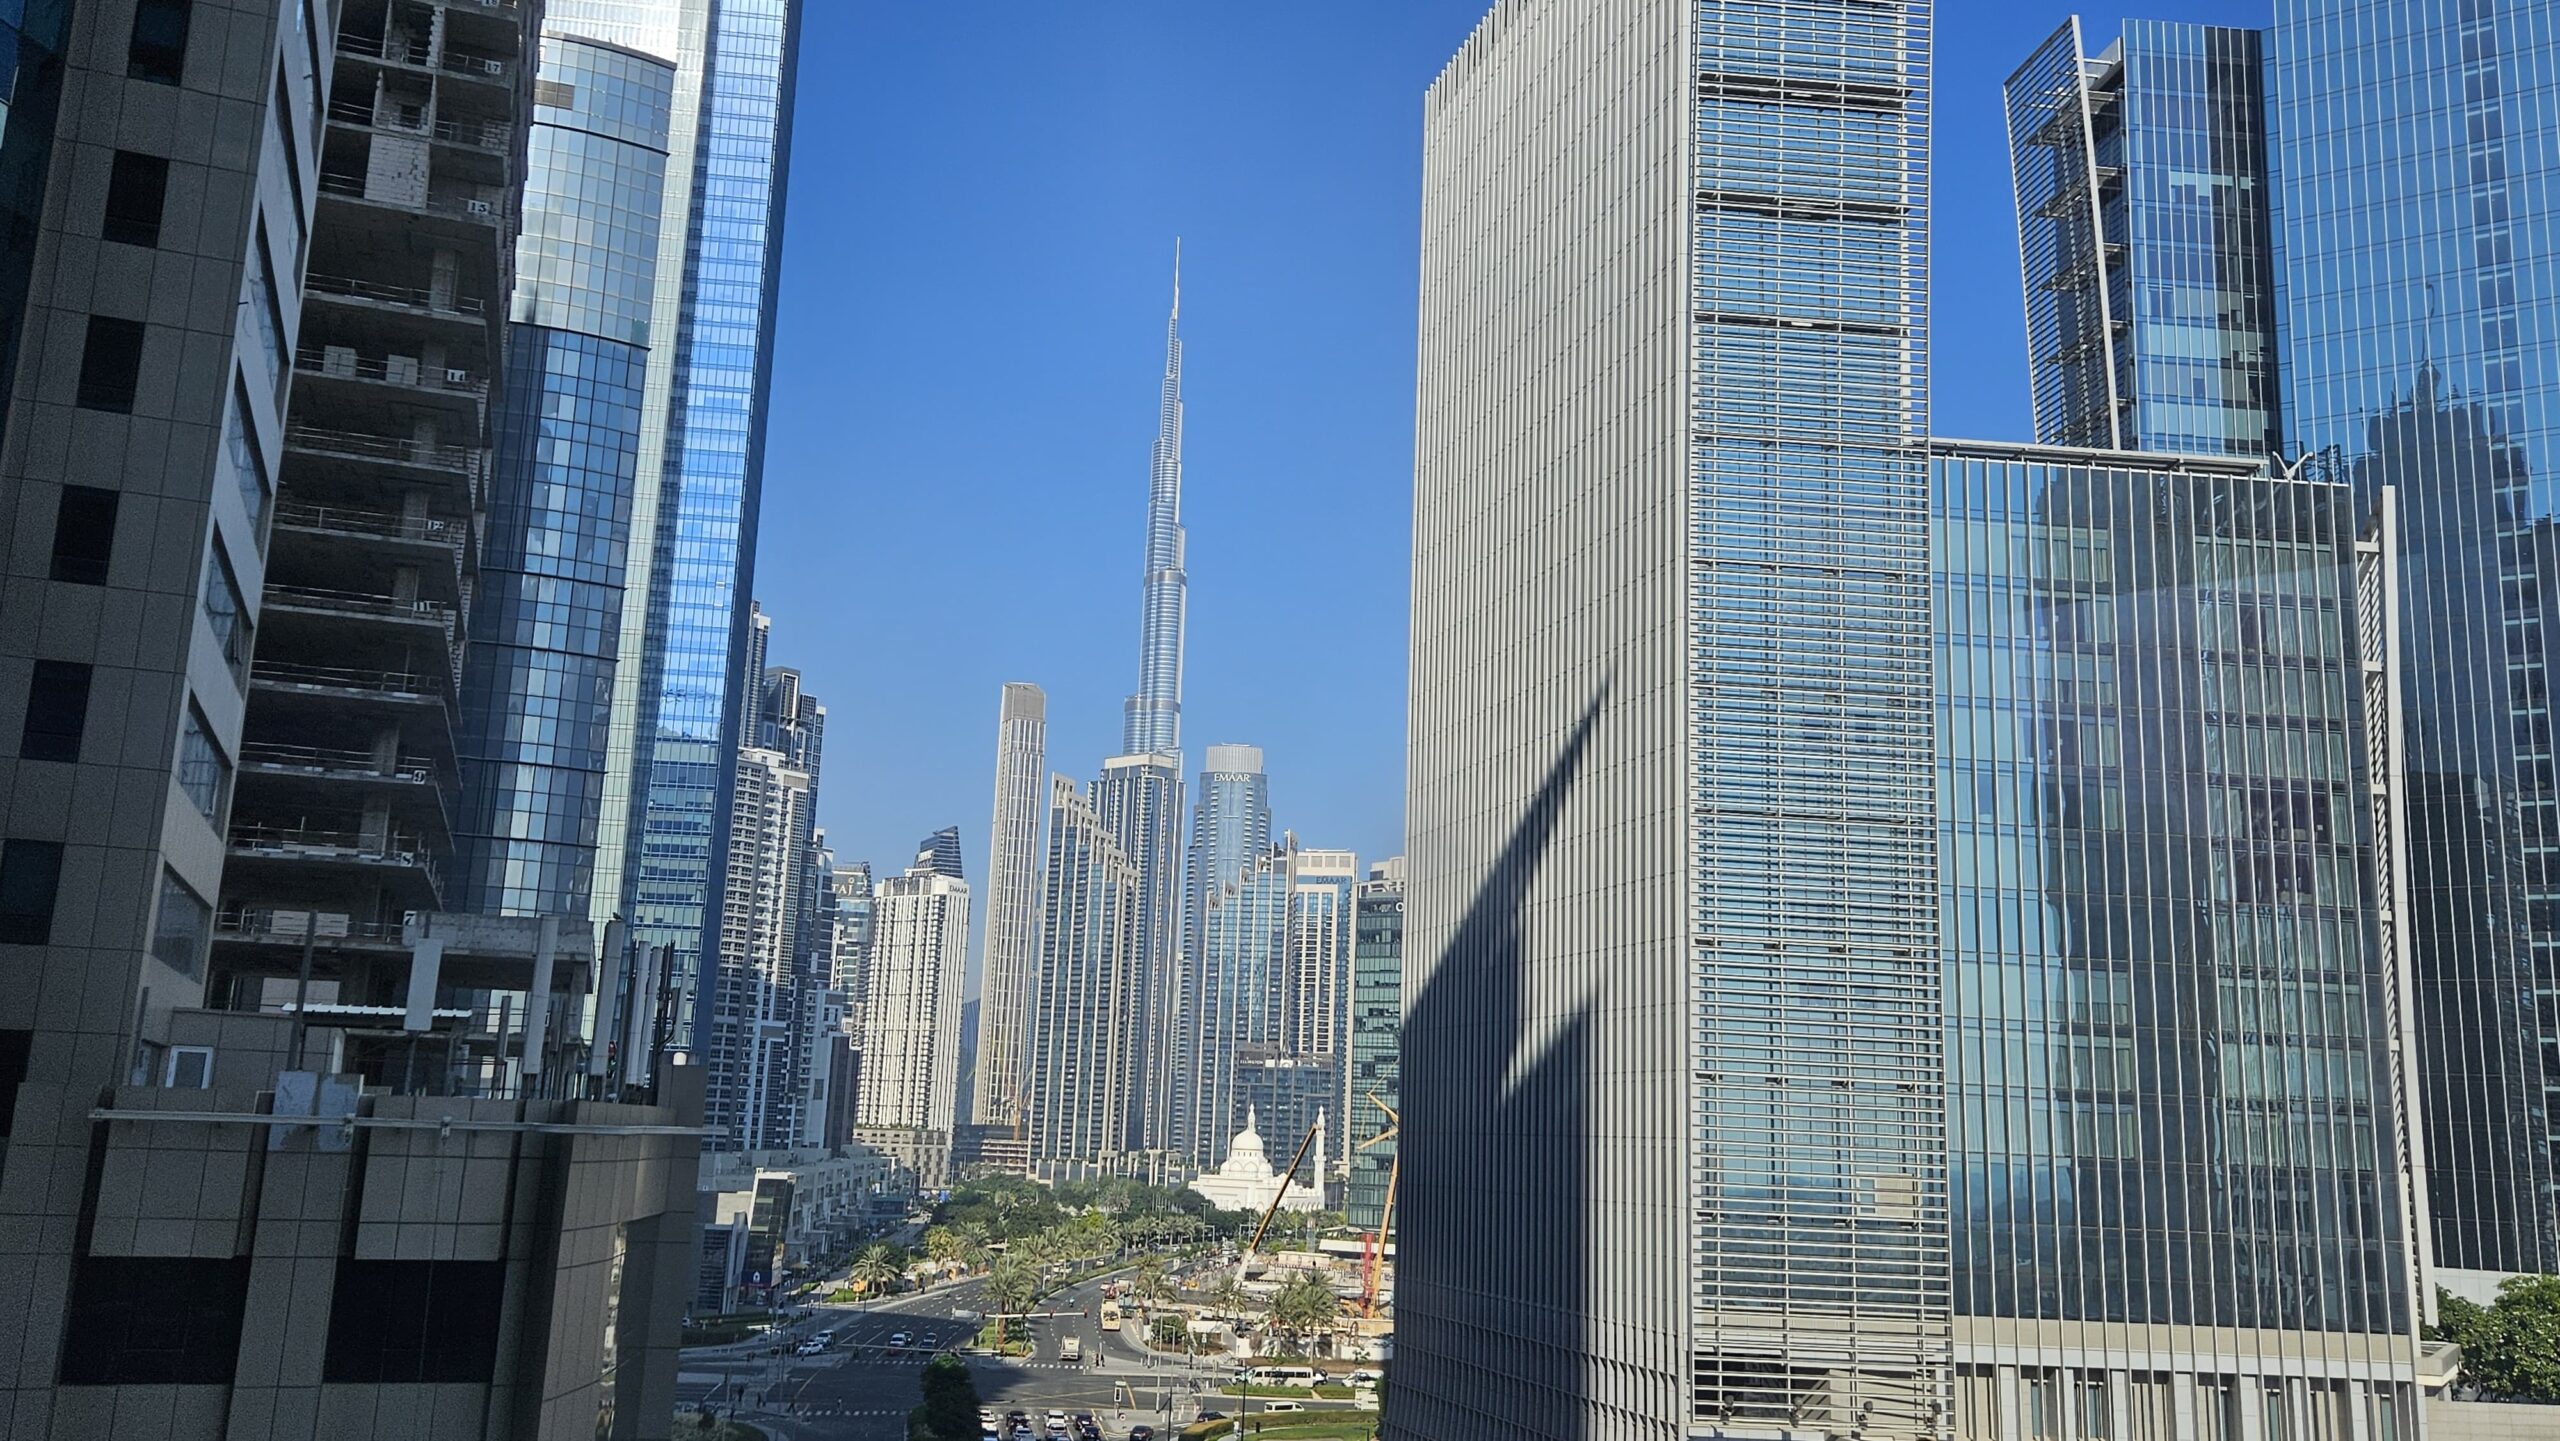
(84,534)
(111,365)
(184,925)
(154,1320)
(404,1322)
(264,314)
(137,189)
(159,50)
(57,711)
(203,773)
(248,467)
(30,871)
(292,162)
(224,611)
(14,1045)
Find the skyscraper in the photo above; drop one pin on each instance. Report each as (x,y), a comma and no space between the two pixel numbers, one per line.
(2143,220)
(2242,198)
(1372,1099)
(677,701)
(538,677)
(1151,722)
(1139,799)
(2417,232)
(1008,968)
(2175,1038)
(910,1027)
(1236,1001)
(299,1079)
(1230,826)
(766,1002)
(1673,1059)
(1083,1103)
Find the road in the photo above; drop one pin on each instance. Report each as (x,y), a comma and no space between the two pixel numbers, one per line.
(862,1389)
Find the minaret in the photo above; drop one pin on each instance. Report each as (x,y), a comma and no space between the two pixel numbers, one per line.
(1152,719)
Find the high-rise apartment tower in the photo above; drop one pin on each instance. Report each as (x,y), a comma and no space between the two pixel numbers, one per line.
(1009,962)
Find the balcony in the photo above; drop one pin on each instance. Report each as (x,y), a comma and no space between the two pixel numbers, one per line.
(336,684)
(424,530)
(288,926)
(489,137)
(405,299)
(411,53)
(334,763)
(390,451)
(343,373)
(404,622)
(397,852)
(469,206)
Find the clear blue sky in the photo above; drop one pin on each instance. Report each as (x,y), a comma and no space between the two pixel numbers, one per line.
(983,202)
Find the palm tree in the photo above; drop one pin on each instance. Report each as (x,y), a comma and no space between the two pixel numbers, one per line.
(942,1243)
(1150,1282)
(1303,1307)
(1227,1295)
(879,1267)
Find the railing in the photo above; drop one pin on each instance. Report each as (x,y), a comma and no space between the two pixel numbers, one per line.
(391,295)
(431,612)
(299,842)
(288,923)
(332,677)
(425,529)
(334,760)
(314,360)
(479,134)
(468,207)
(384,447)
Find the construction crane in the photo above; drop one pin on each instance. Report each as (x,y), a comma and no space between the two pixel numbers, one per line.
(1374,1258)
(1279,1194)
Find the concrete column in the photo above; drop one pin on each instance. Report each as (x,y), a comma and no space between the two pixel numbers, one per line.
(2182,1407)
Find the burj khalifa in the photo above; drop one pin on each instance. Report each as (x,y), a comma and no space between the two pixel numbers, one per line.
(1152,719)
(1139,795)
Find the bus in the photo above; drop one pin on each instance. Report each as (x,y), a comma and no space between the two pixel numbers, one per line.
(1110,1315)
(1280,1376)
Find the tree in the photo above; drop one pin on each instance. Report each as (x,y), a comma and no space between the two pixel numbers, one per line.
(1013,1286)
(1227,1294)
(879,1267)
(950,1409)
(1149,1283)
(942,1243)
(1170,1329)
(1303,1307)
(2511,1348)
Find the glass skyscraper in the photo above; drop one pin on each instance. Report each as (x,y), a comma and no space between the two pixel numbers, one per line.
(1673,1050)
(2143,221)
(1230,826)
(676,707)
(2172,1041)
(1377,1020)
(1084,1103)
(2419,239)
(538,675)
(2343,192)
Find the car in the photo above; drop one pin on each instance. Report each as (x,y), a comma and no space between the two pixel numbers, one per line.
(987,1417)
(814,1346)
(1281,1406)
(1367,1376)
(1142,1433)
(1206,1414)
(898,1338)
(1057,1420)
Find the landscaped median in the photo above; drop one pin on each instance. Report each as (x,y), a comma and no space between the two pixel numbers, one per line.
(1293,1426)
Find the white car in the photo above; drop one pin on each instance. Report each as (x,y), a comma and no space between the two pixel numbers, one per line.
(814,1346)
(898,1338)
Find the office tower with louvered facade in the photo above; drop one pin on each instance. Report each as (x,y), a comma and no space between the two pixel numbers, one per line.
(1675,1150)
